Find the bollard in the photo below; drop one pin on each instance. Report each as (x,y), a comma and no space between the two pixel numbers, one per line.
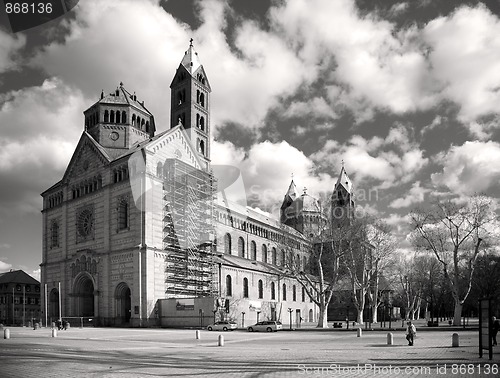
(54,332)
(6,333)
(360,332)
(390,338)
(198,336)
(455,340)
(221,340)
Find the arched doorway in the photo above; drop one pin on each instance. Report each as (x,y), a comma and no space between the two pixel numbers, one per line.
(311,317)
(83,293)
(123,303)
(53,306)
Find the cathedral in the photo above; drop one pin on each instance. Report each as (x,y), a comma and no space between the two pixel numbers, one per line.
(143,231)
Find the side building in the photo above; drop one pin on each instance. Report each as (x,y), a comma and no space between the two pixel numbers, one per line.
(138,232)
(19,298)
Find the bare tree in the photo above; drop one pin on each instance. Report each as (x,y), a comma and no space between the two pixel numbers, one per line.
(383,246)
(456,233)
(328,245)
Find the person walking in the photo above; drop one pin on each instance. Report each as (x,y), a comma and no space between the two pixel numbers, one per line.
(495,327)
(411,332)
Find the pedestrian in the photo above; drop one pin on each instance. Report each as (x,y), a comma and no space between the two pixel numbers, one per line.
(411,332)
(495,327)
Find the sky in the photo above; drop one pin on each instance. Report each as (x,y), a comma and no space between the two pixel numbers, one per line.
(406,93)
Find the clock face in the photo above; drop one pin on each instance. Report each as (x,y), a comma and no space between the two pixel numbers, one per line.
(114,135)
(85,222)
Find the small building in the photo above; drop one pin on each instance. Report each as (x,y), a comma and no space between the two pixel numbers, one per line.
(19,298)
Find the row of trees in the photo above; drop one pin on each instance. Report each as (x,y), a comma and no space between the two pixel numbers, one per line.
(447,238)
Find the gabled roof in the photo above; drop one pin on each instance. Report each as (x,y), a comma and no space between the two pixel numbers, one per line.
(17,277)
(100,150)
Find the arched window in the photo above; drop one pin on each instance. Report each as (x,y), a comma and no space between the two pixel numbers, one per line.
(227,244)
(303,294)
(264,253)
(284,292)
(229,286)
(112,116)
(197,97)
(283,258)
(202,147)
(142,124)
(147,126)
(133,119)
(202,123)
(245,287)
(197,120)
(253,250)
(118,118)
(138,124)
(124,117)
(202,99)
(241,247)
(54,235)
(122,214)
(261,289)
(294,293)
(273,291)
(273,256)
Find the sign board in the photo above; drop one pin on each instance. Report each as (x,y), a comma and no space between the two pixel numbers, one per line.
(255,306)
(485,341)
(185,304)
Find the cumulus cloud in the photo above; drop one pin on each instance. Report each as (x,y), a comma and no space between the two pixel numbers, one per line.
(267,170)
(465,56)
(415,195)
(396,159)
(473,167)
(40,128)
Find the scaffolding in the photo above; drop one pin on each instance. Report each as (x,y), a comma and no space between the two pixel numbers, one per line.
(188,231)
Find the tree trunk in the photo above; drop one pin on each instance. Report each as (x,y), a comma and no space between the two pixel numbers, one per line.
(457,317)
(374,313)
(323,319)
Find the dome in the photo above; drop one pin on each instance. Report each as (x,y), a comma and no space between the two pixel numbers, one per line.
(309,204)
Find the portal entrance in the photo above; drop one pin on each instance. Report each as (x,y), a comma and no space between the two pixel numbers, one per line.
(83,296)
(123,303)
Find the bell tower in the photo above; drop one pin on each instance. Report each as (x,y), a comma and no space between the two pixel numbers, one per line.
(342,203)
(190,102)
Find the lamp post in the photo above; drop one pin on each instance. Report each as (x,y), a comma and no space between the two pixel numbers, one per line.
(290,312)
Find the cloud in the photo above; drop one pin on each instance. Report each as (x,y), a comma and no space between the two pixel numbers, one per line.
(315,108)
(465,57)
(395,159)
(9,49)
(4,267)
(267,168)
(36,274)
(40,128)
(473,167)
(415,195)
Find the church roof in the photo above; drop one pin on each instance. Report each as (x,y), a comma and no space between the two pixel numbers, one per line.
(17,277)
(122,96)
(190,60)
(309,203)
(344,181)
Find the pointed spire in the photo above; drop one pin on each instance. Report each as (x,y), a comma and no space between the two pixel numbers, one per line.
(190,59)
(292,191)
(344,179)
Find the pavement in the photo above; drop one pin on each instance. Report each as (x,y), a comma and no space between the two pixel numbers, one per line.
(133,352)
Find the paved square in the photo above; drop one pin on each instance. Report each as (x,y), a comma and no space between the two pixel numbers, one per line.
(111,352)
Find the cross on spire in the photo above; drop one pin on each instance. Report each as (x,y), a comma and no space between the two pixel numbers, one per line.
(191,42)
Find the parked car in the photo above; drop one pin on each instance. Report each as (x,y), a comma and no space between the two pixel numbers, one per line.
(222,326)
(268,326)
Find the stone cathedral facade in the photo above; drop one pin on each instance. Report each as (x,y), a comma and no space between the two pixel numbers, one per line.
(140,232)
